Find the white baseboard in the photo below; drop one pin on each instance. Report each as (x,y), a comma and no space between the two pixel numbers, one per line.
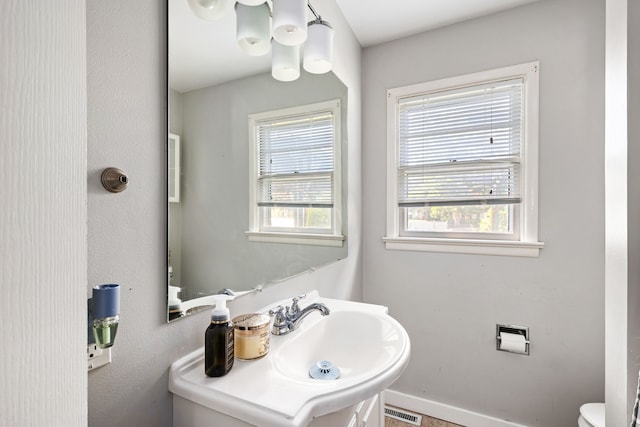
(443,411)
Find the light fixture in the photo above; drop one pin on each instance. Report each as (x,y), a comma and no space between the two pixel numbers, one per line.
(285,61)
(251,2)
(280,26)
(253,28)
(209,10)
(318,50)
(290,21)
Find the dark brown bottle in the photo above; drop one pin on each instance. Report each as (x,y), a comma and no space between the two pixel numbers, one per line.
(218,349)
(218,341)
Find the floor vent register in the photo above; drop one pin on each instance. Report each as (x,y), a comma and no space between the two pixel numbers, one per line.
(402,415)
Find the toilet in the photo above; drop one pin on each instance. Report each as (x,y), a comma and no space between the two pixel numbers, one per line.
(591,415)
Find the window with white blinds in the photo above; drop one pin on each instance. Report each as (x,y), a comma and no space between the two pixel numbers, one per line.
(463,163)
(295,180)
(461,146)
(296,160)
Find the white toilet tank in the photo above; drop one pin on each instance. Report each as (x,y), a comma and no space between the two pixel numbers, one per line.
(591,415)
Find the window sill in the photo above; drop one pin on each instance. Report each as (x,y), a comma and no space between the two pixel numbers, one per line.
(465,246)
(299,239)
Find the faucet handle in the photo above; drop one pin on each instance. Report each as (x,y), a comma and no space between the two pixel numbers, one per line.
(280,322)
(278,312)
(295,308)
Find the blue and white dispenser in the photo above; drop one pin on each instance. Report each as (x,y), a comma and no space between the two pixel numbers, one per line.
(106,314)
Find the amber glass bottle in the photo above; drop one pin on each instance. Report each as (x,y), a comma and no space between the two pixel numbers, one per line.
(218,348)
(218,341)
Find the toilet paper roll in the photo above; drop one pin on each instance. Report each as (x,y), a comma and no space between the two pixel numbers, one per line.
(513,342)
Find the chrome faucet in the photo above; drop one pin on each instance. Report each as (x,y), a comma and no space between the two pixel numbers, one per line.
(287,319)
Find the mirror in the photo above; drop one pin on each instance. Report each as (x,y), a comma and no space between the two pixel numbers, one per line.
(210,99)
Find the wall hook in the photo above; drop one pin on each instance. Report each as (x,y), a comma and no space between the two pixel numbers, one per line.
(114,180)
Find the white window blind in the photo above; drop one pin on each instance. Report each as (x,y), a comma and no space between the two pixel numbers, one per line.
(296,161)
(461,146)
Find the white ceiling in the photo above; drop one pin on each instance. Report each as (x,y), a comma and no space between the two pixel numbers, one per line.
(205,53)
(379,21)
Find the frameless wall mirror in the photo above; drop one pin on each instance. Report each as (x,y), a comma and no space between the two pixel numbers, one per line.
(214,89)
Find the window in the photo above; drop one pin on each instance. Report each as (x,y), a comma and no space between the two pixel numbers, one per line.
(295,182)
(462,171)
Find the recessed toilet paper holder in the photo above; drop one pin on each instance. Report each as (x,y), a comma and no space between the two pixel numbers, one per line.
(512,339)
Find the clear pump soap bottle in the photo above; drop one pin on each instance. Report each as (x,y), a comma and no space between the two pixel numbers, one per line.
(218,340)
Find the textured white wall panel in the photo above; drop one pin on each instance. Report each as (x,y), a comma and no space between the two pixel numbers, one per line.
(43,378)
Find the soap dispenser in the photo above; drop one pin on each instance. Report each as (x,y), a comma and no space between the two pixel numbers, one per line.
(218,340)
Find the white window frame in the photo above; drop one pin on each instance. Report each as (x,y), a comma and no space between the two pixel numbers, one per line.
(174,167)
(333,237)
(526,243)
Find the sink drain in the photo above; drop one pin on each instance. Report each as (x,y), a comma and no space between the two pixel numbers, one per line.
(324,370)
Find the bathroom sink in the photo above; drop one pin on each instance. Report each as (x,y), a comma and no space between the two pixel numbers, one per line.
(369,347)
(359,343)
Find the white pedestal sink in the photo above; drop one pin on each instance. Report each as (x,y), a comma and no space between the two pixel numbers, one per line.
(370,348)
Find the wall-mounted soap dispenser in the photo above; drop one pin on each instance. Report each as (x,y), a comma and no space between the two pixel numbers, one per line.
(104,317)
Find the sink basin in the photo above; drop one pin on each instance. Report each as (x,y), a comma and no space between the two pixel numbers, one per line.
(370,348)
(359,343)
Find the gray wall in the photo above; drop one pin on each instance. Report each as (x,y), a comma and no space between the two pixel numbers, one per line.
(127,231)
(450,304)
(215,184)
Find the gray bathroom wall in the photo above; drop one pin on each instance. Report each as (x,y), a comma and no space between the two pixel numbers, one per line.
(450,303)
(127,231)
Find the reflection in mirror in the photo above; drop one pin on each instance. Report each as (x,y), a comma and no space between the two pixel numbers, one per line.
(209,180)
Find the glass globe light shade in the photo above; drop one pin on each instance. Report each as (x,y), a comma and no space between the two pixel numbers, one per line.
(318,49)
(209,10)
(285,62)
(290,21)
(251,2)
(253,28)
